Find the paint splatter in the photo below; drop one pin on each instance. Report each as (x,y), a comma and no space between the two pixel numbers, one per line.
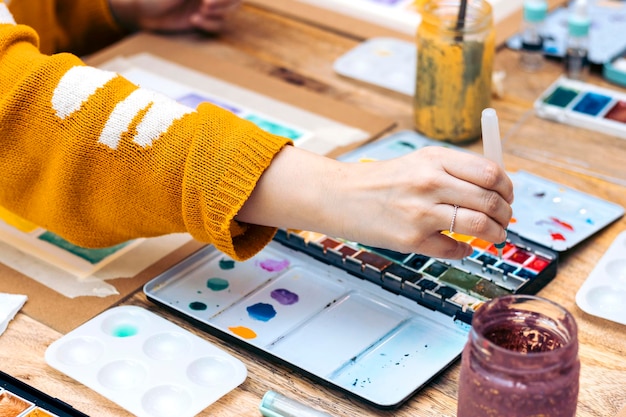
(284,297)
(244,332)
(217,284)
(562,224)
(197,306)
(557,236)
(274,265)
(261,311)
(226,264)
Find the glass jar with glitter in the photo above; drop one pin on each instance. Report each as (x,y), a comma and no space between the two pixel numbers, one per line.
(455,53)
(521,360)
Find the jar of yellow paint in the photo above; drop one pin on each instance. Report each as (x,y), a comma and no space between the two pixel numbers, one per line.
(455,52)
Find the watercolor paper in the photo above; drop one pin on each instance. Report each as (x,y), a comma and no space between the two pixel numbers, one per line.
(308,130)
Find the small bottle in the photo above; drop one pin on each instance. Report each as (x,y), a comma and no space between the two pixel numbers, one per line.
(531,58)
(578,22)
(520,360)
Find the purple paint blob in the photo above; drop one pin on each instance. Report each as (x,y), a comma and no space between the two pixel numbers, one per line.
(261,311)
(285,297)
(274,265)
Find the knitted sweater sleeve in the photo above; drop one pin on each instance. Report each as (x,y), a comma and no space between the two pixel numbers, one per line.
(90,156)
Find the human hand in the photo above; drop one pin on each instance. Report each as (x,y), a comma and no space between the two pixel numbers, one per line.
(401,204)
(173,15)
(405,203)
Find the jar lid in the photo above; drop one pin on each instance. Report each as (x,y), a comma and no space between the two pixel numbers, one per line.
(535,10)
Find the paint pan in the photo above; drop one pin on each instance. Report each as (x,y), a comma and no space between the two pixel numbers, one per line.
(145,363)
(604,291)
(18,399)
(585,105)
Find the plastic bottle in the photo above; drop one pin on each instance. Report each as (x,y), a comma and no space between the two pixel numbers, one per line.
(578,23)
(531,58)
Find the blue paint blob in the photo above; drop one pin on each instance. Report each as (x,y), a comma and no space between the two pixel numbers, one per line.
(217,284)
(197,305)
(284,297)
(592,103)
(226,264)
(261,311)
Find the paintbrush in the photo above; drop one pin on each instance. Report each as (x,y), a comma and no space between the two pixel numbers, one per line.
(492,147)
(460,20)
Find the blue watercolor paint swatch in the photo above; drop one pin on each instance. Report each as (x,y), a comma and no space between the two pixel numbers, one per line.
(592,103)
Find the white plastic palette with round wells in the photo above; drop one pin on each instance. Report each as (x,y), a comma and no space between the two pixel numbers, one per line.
(603,293)
(146,364)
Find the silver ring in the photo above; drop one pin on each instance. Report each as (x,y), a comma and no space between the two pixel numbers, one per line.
(453,218)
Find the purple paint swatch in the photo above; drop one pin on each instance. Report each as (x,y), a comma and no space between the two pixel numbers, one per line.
(274,265)
(285,297)
(261,311)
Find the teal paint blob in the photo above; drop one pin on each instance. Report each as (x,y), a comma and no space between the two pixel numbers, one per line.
(197,306)
(226,264)
(217,284)
(125,330)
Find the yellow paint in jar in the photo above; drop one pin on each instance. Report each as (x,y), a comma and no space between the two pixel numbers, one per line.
(454,68)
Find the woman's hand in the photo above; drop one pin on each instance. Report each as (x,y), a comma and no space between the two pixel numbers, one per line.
(173,15)
(401,204)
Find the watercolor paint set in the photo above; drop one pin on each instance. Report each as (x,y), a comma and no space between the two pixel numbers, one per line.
(584,105)
(18,399)
(374,323)
(146,364)
(604,291)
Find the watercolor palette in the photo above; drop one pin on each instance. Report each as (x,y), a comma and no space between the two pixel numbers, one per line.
(18,399)
(544,212)
(146,364)
(374,323)
(604,291)
(584,105)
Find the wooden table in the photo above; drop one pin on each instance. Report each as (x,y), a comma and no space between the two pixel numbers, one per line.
(302,55)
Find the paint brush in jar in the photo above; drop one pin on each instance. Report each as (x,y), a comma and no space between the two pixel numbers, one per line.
(492,148)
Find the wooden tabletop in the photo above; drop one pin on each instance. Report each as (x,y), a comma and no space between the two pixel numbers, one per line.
(302,54)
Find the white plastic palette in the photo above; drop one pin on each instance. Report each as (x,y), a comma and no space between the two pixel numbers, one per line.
(146,364)
(604,291)
(385,62)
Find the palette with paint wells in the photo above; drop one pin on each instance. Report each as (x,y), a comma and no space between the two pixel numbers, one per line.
(18,399)
(584,105)
(604,291)
(146,364)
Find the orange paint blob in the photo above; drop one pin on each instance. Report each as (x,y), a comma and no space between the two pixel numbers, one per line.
(244,332)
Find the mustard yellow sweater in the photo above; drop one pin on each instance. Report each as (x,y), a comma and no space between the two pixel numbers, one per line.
(90,156)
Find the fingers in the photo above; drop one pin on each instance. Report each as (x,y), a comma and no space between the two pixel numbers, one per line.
(212,13)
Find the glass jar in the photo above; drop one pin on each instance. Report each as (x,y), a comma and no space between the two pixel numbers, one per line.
(520,360)
(454,68)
